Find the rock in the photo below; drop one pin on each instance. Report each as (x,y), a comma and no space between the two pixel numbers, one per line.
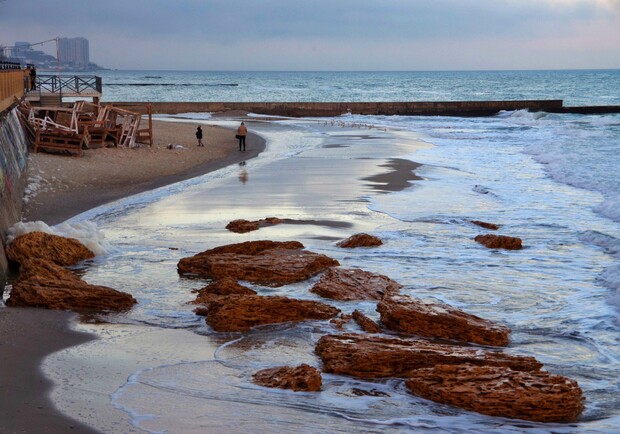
(485,225)
(219,288)
(264,262)
(341,321)
(439,320)
(242,226)
(60,250)
(234,313)
(300,378)
(368,325)
(500,242)
(45,284)
(499,391)
(354,284)
(373,356)
(360,240)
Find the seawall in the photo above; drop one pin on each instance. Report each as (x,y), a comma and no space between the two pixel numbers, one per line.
(13,178)
(318,109)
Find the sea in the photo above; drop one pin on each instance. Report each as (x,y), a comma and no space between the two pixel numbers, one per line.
(551,179)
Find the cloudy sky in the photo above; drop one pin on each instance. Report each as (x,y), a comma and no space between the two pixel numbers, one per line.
(326,34)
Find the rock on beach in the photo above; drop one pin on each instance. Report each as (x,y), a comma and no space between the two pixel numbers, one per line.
(268,263)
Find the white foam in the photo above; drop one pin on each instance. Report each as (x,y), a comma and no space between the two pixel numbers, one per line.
(85,232)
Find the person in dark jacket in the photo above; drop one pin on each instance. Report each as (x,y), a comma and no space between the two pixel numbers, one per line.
(199,136)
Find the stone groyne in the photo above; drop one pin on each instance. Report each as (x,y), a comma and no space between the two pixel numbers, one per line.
(319,109)
(13,177)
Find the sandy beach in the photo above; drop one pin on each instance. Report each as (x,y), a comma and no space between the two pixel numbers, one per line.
(62,187)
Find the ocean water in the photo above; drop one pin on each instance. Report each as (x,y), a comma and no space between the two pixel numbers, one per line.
(549,179)
(575,87)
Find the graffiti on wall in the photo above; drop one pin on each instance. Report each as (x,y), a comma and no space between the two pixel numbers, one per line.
(13,155)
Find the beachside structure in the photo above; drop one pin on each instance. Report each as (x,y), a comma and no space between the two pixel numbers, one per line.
(51,89)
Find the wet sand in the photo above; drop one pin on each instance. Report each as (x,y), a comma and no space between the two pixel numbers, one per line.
(68,187)
(90,184)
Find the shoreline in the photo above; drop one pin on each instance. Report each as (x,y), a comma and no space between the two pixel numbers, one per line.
(29,335)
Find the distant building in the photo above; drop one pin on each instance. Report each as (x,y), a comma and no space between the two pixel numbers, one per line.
(74,51)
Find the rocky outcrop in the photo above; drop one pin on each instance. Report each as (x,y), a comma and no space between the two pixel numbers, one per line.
(491,226)
(499,391)
(242,226)
(44,284)
(354,284)
(300,378)
(439,320)
(235,313)
(500,242)
(264,262)
(368,325)
(220,288)
(341,320)
(360,240)
(60,250)
(372,356)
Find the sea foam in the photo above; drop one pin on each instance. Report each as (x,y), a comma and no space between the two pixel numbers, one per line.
(85,232)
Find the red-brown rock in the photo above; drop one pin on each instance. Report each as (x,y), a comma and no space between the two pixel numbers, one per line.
(368,325)
(485,225)
(263,262)
(300,378)
(499,242)
(499,391)
(45,284)
(340,321)
(354,284)
(360,240)
(60,250)
(242,226)
(220,288)
(373,356)
(235,313)
(439,320)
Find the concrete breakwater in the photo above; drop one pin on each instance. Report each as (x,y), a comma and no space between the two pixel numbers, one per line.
(318,109)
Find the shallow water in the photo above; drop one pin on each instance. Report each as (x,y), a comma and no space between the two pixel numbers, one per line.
(556,294)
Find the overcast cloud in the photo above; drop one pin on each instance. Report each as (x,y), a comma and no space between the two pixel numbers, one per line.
(326,34)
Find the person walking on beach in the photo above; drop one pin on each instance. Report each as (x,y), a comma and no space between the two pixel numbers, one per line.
(199,136)
(242,131)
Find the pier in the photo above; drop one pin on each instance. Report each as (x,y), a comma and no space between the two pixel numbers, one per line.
(51,89)
(409,108)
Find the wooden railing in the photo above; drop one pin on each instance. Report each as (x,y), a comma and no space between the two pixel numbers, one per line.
(11,84)
(73,85)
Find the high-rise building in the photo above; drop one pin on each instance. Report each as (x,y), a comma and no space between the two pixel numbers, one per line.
(73,51)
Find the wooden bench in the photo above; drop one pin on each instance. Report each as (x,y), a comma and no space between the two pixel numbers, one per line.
(61,140)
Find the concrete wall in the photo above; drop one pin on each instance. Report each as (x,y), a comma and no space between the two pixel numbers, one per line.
(13,178)
(313,109)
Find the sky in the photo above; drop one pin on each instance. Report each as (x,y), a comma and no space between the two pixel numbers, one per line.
(326,35)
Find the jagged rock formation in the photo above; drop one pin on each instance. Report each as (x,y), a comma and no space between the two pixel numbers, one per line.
(60,250)
(242,226)
(360,240)
(485,225)
(372,356)
(263,262)
(44,284)
(354,284)
(368,325)
(220,288)
(234,313)
(439,320)
(499,242)
(500,391)
(300,378)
